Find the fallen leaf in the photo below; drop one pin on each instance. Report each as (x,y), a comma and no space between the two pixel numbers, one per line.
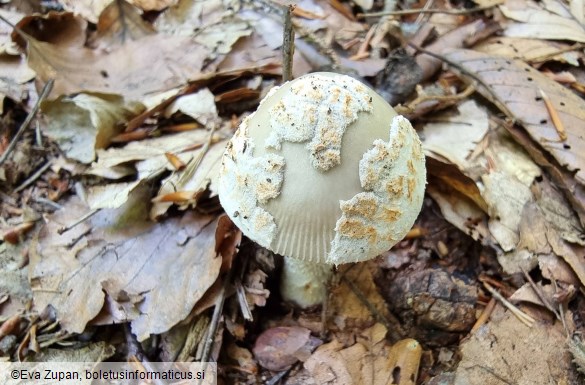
(457,135)
(280,347)
(88,9)
(110,196)
(161,270)
(514,87)
(139,67)
(200,173)
(527,49)
(199,105)
(366,362)
(506,198)
(87,121)
(149,154)
(154,5)
(504,350)
(535,22)
(119,22)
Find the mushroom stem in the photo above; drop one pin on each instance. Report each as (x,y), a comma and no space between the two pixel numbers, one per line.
(304,283)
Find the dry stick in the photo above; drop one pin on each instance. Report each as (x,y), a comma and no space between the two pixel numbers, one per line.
(523,317)
(485,314)
(434,10)
(288,45)
(46,89)
(34,177)
(214,324)
(540,294)
(81,219)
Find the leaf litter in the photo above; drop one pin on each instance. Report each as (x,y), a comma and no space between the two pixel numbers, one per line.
(142,111)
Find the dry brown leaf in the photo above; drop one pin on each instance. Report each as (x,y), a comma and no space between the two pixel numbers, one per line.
(280,347)
(366,362)
(120,22)
(461,212)
(86,122)
(154,5)
(506,198)
(157,271)
(350,312)
(554,268)
(149,154)
(505,351)
(88,9)
(453,39)
(515,88)
(139,67)
(532,21)
(198,175)
(527,49)
(455,136)
(61,29)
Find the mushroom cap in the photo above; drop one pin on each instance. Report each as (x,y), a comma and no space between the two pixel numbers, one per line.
(324,171)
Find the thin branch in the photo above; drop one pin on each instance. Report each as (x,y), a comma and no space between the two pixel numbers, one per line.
(46,90)
(288,45)
(34,177)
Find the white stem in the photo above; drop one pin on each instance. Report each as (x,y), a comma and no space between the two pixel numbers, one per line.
(304,283)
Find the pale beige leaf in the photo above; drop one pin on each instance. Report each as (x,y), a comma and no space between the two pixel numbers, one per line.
(200,106)
(506,198)
(578,10)
(504,350)
(88,9)
(153,5)
(150,149)
(457,135)
(527,49)
(160,270)
(201,173)
(139,67)
(86,122)
(366,362)
(535,22)
(110,196)
(515,88)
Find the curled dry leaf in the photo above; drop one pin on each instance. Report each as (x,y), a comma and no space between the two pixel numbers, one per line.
(87,121)
(366,362)
(158,271)
(119,22)
(278,348)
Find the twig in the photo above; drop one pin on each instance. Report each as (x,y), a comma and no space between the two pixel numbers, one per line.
(485,314)
(523,317)
(210,338)
(48,202)
(82,219)
(46,89)
(432,10)
(33,177)
(288,45)
(540,294)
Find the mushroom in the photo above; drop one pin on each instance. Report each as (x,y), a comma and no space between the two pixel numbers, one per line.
(324,172)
